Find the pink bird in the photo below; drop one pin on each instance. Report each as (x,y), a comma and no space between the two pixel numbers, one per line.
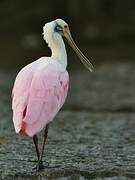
(41,87)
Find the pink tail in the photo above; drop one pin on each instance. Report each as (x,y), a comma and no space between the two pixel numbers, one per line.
(23,126)
(22,130)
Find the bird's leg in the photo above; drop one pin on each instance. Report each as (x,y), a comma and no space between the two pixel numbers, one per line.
(35,140)
(40,162)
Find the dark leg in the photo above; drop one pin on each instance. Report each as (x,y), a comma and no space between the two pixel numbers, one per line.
(40,162)
(35,140)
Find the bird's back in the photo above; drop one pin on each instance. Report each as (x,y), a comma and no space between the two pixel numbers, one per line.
(39,92)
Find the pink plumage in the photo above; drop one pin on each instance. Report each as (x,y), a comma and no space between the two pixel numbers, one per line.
(39,92)
(41,87)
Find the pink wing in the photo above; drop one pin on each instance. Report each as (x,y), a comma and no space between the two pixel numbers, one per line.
(37,97)
(20,94)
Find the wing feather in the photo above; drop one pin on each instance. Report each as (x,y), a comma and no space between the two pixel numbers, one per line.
(20,94)
(43,93)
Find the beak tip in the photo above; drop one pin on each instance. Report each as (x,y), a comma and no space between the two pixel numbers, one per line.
(91,69)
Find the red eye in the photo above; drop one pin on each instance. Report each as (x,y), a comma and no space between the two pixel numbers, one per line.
(66,26)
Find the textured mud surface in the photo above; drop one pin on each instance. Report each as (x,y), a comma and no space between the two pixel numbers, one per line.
(92,137)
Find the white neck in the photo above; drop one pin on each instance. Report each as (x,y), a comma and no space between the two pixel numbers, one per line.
(59,51)
(57,46)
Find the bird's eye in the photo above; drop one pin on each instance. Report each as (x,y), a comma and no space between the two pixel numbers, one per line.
(66,27)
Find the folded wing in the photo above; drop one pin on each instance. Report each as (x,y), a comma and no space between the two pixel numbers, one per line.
(38,96)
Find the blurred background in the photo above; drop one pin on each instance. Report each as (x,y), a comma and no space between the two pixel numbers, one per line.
(95,130)
(103,29)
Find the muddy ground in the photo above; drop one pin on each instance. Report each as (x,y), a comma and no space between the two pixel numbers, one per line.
(92,137)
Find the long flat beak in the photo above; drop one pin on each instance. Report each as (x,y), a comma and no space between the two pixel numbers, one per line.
(81,56)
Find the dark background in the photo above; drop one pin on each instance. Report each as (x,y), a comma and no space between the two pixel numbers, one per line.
(103,29)
(93,137)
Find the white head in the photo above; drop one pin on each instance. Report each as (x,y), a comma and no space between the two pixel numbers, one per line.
(61,28)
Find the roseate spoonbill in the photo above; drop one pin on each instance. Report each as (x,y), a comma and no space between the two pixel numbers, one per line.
(41,87)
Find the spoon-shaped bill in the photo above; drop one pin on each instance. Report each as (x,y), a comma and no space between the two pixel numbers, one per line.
(81,56)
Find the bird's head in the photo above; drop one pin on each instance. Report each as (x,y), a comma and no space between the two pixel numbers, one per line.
(61,27)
